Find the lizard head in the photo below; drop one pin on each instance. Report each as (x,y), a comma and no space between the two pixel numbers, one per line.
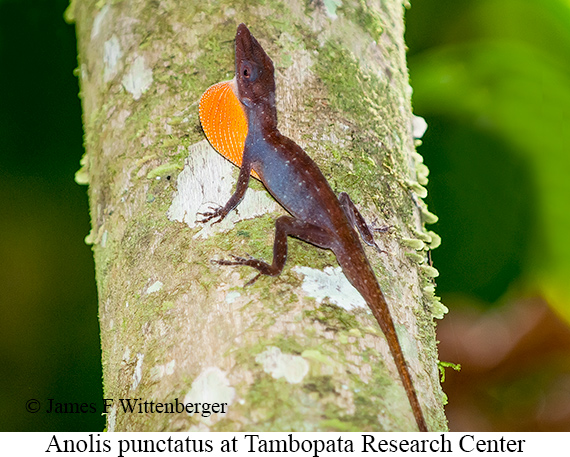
(254,70)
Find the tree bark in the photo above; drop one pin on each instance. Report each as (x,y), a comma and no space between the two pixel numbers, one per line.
(298,352)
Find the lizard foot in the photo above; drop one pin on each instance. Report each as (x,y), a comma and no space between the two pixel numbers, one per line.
(249,261)
(215,211)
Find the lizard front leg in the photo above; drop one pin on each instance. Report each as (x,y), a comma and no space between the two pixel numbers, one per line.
(221,212)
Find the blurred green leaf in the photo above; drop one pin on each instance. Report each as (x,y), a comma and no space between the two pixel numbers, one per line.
(512,84)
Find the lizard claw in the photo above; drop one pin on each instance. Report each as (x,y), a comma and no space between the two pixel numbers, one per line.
(381,251)
(238,261)
(382,229)
(213,213)
(251,281)
(376,229)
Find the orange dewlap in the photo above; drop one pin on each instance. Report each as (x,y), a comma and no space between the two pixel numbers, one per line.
(224,121)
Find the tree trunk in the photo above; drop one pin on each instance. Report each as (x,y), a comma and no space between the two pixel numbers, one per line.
(297,352)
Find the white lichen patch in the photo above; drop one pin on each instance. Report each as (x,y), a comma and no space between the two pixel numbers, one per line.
(137,375)
(104,239)
(208,180)
(159,371)
(169,367)
(232,296)
(211,386)
(112,419)
(331,6)
(138,79)
(291,367)
(112,54)
(98,21)
(419,126)
(154,287)
(332,283)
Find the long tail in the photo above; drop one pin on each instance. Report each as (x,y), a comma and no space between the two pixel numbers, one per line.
(382,315)
(359,272)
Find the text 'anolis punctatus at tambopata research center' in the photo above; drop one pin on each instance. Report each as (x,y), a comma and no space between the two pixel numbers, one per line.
(239,118)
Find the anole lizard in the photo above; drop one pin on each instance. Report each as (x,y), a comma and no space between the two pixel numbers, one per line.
(240,120)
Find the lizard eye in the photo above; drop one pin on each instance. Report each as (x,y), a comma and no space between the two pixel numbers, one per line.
(247,71)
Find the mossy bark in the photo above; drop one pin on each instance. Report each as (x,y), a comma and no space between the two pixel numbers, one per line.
(175,326)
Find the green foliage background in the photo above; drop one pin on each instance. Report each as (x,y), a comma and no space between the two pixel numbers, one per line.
(492,78)
(49,334)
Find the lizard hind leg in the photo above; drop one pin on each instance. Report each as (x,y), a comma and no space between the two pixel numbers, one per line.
(357,221)
(284,226)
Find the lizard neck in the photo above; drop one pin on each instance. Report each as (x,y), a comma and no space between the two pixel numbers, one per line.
(261,115)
